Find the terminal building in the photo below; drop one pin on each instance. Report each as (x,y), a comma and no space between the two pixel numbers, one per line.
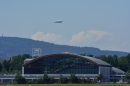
(64,64)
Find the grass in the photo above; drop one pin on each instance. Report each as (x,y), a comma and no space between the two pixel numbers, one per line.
(68,85)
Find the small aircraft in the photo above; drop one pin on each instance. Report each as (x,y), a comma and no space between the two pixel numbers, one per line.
(57,21)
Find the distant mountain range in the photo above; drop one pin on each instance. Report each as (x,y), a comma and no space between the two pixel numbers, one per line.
(11,46)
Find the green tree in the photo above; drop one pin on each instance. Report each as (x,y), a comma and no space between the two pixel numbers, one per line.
(110,60)
(63,80)
(83,80)
(88,80)
(115,62)
(102,57)
(11,66)
(100,77)
(39,81)
(74,79)
(52,80)
(84,54)
(46,79)
(90,55)
(127,76)
(19,79)
(6,65)
(123,63)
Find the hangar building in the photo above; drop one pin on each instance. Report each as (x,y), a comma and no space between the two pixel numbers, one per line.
(69,63)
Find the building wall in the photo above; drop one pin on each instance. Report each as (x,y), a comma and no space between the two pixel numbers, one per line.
(106,71)
(61,64)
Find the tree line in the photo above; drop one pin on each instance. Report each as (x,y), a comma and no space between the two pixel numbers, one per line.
(14,65)
(47,80)
(122,62)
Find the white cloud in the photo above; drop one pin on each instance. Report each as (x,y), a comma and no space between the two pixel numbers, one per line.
(93,38)
(48,37)
(90,36)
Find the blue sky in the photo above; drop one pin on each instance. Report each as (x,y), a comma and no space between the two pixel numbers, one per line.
(104,24)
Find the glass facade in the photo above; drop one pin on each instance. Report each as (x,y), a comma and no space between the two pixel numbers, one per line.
(61,64)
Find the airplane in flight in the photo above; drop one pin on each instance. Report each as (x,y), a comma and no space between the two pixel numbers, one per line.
(57,21)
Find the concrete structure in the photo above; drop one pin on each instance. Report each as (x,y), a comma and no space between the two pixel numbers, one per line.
(66,64)
(70,63)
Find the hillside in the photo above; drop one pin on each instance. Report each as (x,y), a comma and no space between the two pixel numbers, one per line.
(10,46)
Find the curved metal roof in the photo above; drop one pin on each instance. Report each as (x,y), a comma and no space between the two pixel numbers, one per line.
(118,71)
(98,61)
(91,59)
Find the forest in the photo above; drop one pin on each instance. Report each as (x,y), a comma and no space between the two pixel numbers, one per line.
(14,64)
(11,46)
